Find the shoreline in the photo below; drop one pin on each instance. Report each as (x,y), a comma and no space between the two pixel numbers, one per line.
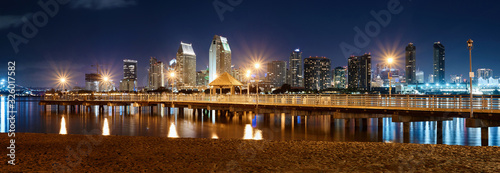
(81,153)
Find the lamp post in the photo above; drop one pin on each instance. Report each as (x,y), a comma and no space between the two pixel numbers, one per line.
(172,77)
(63,82)
(257,80)
(389,61)
(471,74)
(105,80)
(248,82)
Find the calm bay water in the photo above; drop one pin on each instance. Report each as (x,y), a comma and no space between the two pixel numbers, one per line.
(188,123)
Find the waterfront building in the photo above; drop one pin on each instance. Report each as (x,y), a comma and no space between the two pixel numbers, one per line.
(359,72)
(92,81)
(419,76)
(276,73)
(202,78)
(317,75)
(129,81)
(456,79)
(410,64)
(296,78)
(236,73)
(156,74)
(339,77)
(219,57)
(439,57)
(484,73)
(186,65)
(431,78)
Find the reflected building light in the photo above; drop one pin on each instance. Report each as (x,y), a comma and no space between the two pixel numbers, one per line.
(172,131)
(258,135)
(248,133)
(213,117)
(3,121)
(105,127)
(63,127)
(214,136)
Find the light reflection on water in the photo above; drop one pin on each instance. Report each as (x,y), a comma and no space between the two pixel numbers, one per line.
(246,125)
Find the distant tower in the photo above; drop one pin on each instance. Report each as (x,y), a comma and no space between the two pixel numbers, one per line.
(186,64)
(276,71)
(317,73)
(156,77)
(359,72)
(129,81)
(219,57)
(439,63)
(410,64)
(295,69)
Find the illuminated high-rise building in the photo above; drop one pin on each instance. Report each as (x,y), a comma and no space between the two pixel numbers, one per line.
(317,73)
(410,64)
(359,72)
(186,65)
(156,75)
(219,57)
(296,78)
(129,81)
(276,71)
(439,70)
(339,77)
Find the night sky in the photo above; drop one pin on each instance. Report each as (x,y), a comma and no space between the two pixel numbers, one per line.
(86,32)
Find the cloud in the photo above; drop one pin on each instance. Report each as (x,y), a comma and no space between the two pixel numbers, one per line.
(11,21)
(101,4)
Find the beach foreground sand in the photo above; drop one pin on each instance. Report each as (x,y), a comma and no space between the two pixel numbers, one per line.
(80,153)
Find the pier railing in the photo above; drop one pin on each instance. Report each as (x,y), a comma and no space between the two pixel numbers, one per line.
(403,101)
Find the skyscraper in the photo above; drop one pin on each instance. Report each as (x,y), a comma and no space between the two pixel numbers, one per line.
(186,65)
(439,63)
(219,57)
(359,72)
(129,69)
(295,69)
(484,73)
(339,77)
(317,73)
(410,64)
(129,81)
(276,71)
(156,78)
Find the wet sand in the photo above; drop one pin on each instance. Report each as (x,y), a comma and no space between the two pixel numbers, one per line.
(80,153)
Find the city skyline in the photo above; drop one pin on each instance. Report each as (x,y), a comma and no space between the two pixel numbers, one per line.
(54,49)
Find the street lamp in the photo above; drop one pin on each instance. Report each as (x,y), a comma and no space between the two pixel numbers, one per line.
(257,80)
(63,82)
(389,61)
(105,80)
(471,74)
(248,82)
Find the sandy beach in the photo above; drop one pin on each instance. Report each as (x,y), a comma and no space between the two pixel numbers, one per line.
(80,153)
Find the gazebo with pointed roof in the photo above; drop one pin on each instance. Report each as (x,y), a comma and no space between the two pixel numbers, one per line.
(225,81)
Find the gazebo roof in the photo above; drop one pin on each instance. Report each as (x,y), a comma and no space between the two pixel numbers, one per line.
(225,80)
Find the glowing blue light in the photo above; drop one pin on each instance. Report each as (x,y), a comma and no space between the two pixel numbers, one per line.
(426,84)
